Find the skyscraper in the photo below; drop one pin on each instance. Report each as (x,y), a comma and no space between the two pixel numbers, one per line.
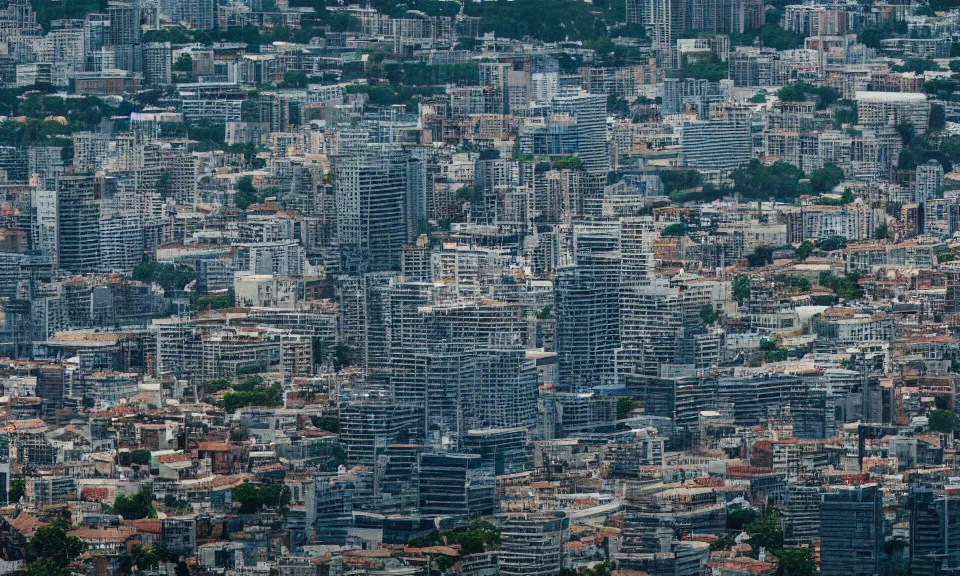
(716,144)
(78,223)
(934,529)
(929,181)
(534,543)
(372,210)
(125,34)
(590,113)
(157,63)
(851,531)
(588,320)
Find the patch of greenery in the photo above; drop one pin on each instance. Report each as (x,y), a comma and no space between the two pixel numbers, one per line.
(708,315)
(568,163)
(823,96)
(831,243)
(259,396)
(255,497)
(799,282)
(50,10)
(326,423)
(169,276)
(845,287)
(770,35)
(51,550)
(547,20)
(872,35)
(18,489)
(707,193)
(780,180)
(712,69)
(917,66)
(761,256)
(218,301)
(740,518)
(741,287)
(476,537)
(825,179)
(135,507)
(845,198)
(247,194)
(391,95)
(674,180)
(944,421)
(675,229)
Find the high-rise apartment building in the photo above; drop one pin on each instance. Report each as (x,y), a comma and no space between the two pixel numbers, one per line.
(534,543)
(851,531)
(157,63)
(78,223)
(716,144)
(372,210)
(590,113)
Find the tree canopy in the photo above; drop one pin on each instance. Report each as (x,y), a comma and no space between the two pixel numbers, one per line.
(52,550)
(254,497)
(758,181)
(135,507)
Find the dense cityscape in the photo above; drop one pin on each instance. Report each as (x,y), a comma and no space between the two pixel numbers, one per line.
(518,287)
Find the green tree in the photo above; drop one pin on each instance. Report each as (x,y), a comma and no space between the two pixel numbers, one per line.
(724,542)
(799,283)
(144,558)
(18,489)
(470,194)
(872,35)
(674,180)
(916,65)
(804,250)
(825,179)
(675,229)
(780,180)
(795,562)
(254,497)
(246,193)
(184,63)
(740,518)
(293,79)
(776,355)
(135,507)
(141,457)
(938,117)
(326,423)
(260,396)
(215,301)
(625,405)
(52,550)
(568,163)
(712,69)
(741,287)
(846,287)
(707,314)
(477,536)
(944,421)
(765,532)
(831,243)
(881,232)
(761,256)
(170,277)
